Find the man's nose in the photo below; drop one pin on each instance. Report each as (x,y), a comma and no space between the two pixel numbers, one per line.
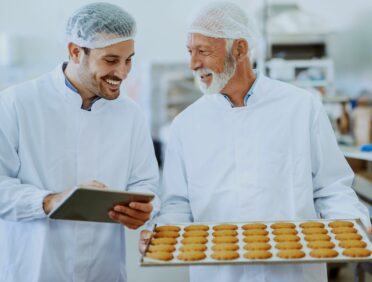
(195,62)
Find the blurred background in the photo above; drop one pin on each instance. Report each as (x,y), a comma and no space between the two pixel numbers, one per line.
(323,46)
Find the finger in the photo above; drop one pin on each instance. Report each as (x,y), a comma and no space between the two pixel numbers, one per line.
(126,220)
(145,207)
(146,234)
(132,212)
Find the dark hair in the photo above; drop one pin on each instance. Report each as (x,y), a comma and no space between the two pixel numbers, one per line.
(86,50)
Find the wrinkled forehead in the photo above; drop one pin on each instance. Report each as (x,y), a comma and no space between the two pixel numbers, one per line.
(195,40)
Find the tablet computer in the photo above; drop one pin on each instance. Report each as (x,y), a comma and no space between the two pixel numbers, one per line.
(89,204)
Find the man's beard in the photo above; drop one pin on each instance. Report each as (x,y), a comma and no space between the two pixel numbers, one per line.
(219,80)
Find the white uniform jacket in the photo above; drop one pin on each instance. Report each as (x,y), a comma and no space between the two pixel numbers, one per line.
(275,159)
(49,144)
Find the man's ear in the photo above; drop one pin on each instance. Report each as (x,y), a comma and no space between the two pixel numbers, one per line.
(74,52)
(240,49)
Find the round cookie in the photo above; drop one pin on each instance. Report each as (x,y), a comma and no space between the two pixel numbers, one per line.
(323,253)
(291,254)
(191,256)
(310,231)
(289,246)
(163,241)
(348,236)
(257,246)
(166,234)
(321,245)
(258,254)
(256,238)
(254,226)
(194,240)
(344,230)
(312,224)
(285,231)
(197,227)
(225,239)
(225,247)
(352,244)
(222,233)
(161,248)
(283,225)
(193,247)
(340,223)
(166,256)
(195,233)
(167,228)
(225,255)
(249,232)
(225,227)
(317,237)
(356,252)
(286,238)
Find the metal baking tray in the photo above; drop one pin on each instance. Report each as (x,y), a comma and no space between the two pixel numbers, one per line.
(146,261)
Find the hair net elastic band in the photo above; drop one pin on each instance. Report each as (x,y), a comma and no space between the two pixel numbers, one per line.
(94,45)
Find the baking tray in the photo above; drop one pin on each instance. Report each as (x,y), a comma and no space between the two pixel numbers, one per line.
(146,261)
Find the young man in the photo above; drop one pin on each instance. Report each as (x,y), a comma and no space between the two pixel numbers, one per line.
(250,149)
(66,128)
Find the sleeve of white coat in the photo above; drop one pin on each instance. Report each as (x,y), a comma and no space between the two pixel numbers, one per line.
(332,176)
(144,174)
(18,201)
(175,200)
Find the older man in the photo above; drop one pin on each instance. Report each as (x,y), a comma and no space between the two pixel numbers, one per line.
(65,128)
(250,149)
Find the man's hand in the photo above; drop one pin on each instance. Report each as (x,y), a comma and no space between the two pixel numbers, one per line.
(133,216)
(52,200)
(145,237)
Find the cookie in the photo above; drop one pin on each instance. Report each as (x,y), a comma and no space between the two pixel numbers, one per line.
(317,237)
(356,252)
(291,254)
(255,232)
(191,256)
(225,227)
(195,233)
(254,226)
(286,238)
(161,248)
(288,246)
(193,247)
(284,231)
(167,228)
(197,227)
(279,225)
(340,223)
(194,240)
(321,245)
(256,238)
(352,244)
(312,224)
(166,234)
(323,253)
(221,233)
(166,256)
(257,246)
(344,230)
(259,254)
(225,239)
(225,255)
(163,241)
(310,231)
(225,247)
(348,236)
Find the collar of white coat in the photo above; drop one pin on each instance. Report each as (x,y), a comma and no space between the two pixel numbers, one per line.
(68,94)
(254,96)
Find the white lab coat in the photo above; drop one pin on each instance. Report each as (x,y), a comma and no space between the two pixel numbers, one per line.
(49,144)
(275,159)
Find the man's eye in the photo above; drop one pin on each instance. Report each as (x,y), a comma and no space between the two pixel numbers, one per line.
(110,61)
(128,61)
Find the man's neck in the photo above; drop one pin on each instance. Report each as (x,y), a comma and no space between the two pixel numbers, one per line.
(87,97)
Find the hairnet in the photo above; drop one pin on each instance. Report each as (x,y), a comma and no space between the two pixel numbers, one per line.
(99,25)
(224,20)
